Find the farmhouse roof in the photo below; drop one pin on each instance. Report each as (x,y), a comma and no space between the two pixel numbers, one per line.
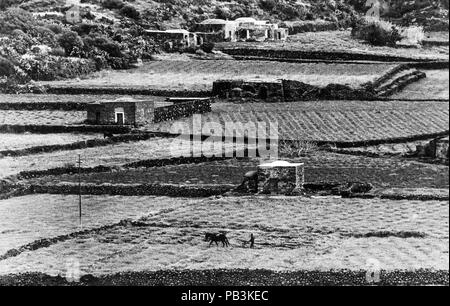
(178,31)
(246,20)
(174,31)
(280,163)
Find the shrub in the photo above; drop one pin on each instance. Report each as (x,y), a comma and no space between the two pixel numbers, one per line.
(296,148)
(208,47)
(222,13)
(130,12)
(84,28)
(48,68)
(113,4)
(267,5)
(55,28)
(15,18)
(70,42)
(105,44)
(6,67)
(44,35)
(376,32)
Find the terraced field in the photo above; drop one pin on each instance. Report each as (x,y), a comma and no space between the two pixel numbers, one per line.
(46,117)
(292,234)
(23,141)
(325,121)
(322,167)
(111,155)
(200,75)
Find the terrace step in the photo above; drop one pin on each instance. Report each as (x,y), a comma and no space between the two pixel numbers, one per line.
(399,81)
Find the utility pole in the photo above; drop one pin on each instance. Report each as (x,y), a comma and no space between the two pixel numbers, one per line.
(79,187)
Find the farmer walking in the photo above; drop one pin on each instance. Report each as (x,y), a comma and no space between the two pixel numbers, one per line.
(252,241)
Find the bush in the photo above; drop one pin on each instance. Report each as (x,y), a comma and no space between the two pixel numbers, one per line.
(48,68)
(296,148)
(55,28)
(15,18)
(208,47)
(70,42)
(44,35)
(376,32)
(105,44)
(84,28)
(130,12)
(267,5)
(6,67)
(113,4)
(222,13)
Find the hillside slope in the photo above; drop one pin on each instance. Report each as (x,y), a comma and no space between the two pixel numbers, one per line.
(163,14)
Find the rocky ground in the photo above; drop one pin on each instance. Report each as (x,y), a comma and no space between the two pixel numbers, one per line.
(236,278)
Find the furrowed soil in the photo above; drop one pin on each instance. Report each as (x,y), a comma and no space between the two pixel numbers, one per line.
(292,234)
(345,121)
(41,117)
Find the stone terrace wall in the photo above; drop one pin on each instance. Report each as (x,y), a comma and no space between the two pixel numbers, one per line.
(315,55)
(181,110)
(289,90)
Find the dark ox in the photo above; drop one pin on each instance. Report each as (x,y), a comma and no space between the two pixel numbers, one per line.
(216,238)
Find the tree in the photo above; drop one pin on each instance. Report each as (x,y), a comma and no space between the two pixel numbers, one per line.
(6,67)
(15,18)
(130,12)
(70,41)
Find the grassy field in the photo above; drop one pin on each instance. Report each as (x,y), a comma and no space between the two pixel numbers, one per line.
(200,75)
(47,117)
(327,121)
(292,234)
(437,36)
(341,41)
(320,167)
(434,86)
(23,141)
(111,155)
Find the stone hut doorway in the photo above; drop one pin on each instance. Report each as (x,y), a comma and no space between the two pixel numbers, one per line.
(119,115)
(263,93)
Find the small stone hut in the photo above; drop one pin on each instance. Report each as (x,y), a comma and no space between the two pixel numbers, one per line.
(281,177)
(124,111)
